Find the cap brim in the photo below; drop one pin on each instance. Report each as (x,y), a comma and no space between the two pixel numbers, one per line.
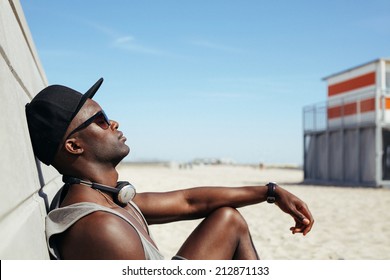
(89,94)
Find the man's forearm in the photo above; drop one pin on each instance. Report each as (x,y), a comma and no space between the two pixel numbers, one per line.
(203,200)
(194,203)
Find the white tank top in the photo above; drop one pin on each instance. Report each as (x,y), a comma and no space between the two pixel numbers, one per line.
(60,219)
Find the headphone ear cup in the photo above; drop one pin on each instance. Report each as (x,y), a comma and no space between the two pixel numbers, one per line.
(126,192)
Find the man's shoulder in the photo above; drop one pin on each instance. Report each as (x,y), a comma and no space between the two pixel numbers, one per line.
(103,231)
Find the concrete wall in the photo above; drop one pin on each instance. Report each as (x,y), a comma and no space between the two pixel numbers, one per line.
(24,181)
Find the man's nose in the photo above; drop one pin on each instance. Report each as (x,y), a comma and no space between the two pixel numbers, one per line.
(114,124)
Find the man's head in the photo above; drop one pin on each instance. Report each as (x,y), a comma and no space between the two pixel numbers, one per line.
(49,115)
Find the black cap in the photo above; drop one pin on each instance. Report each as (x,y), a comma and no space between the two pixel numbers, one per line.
(49,114)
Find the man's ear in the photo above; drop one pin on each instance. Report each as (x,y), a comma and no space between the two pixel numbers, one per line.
(72,146)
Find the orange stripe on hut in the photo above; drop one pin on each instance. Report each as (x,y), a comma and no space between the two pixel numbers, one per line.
(367,105)
(349,109)
(351,84)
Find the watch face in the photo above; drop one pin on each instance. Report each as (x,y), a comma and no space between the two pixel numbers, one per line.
(271,199)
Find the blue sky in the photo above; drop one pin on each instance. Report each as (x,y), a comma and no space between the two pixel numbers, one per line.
(209,79)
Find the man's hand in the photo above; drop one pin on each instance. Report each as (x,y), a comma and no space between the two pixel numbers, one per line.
(298,209)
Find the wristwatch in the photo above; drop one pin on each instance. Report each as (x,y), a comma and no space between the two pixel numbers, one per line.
(271,193)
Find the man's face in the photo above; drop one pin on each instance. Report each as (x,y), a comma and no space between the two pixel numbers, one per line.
(100,143)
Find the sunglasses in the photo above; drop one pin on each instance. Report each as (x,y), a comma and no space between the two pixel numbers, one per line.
(100,118)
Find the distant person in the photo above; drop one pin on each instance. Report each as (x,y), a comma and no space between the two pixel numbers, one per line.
(93,220)
(261,165)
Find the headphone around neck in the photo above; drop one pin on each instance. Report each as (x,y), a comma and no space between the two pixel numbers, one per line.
(124,192)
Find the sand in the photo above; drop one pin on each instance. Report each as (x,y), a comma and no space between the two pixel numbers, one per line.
(351,223)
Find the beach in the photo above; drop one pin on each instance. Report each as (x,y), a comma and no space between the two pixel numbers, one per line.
(351,223)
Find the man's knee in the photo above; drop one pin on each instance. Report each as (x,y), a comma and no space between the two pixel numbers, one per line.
(231,218)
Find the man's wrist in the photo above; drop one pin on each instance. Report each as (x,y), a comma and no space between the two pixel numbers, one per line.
(271,192)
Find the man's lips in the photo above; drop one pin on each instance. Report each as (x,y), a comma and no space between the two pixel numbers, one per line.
(121,137)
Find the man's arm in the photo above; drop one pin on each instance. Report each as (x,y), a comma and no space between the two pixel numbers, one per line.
(194,203)
(199,202)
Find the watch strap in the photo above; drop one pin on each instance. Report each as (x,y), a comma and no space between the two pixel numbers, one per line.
(271,192)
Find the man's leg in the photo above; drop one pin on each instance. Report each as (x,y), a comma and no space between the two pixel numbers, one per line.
(224,234)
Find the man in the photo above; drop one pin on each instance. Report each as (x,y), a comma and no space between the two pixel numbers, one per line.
(70,131)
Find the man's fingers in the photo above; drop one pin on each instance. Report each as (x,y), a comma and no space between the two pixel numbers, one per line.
(303,226)
(305,221)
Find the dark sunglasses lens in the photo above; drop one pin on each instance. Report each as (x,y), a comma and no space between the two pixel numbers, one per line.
(102,120)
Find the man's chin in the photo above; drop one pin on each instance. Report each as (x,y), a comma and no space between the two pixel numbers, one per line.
(123,155)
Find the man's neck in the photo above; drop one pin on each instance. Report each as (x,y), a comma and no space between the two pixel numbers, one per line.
(100,174)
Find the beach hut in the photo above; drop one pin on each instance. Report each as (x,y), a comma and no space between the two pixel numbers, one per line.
(346,139)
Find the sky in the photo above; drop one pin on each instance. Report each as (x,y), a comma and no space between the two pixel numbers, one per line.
(221,79)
